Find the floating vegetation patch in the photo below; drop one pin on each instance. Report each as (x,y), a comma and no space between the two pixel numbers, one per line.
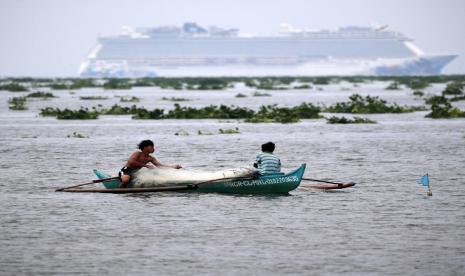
(17,103)
(67,114)
(117,84)
(454,88)
(260,94)
(174,99)
(42,95)
(229,131)
(128,99)
(270,113)
(365,105)
(214,83)
(457,98)
(441,108)
(13,87)
(97,98)
(269,83)
(204,133)
(417,84)
(182,133)
(393,86)
(275,114)
(67,84)
(344,120)
(240,95)
(302,86)
(77,135)
(418,93)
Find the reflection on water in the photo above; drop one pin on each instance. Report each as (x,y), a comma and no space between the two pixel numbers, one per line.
(386,224)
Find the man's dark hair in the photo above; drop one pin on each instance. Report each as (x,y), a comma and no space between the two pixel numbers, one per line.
(268,147)
(145,143)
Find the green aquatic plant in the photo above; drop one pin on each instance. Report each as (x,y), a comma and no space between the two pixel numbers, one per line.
(417,84)
(365,105)
(17,103)
(302,86)
(393,86)
(143,114)
(77,135)
(229,131)
(117,84)
(65,84)
(182,133)
(121,110)
(457,98)
(60,86)
(321,81)
(344,120)
(204,133)
(260,94)
(93,98)
(454,88)
(67,114)
(275,114)
(209,112)
(128,99)
(42,95)
(441,108)
(13,87)
(174,99)
(269,83)
(418,93)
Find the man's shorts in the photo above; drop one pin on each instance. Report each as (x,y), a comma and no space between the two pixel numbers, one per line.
(126,171)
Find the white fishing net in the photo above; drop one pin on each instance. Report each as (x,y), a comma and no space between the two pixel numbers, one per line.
(167,176)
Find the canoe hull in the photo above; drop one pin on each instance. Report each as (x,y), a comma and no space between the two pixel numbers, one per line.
(267,184)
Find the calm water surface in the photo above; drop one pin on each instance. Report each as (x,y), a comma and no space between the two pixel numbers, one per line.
(385,225)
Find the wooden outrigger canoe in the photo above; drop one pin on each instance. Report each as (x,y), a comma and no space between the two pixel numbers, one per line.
(277,183)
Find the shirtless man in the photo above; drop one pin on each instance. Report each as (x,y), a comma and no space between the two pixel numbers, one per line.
(141,159)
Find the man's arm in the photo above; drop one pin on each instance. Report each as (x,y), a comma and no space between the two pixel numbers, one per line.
(157,163)
(257,161)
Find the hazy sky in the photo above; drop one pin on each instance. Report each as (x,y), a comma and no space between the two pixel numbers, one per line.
(52,37)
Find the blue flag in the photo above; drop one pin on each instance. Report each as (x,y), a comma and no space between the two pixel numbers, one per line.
(424,180)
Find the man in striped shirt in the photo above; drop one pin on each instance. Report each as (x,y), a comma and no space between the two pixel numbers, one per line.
(266,162)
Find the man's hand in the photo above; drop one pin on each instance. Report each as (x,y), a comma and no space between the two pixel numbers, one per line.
(149,166)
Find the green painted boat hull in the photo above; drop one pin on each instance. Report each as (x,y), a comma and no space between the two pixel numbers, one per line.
(278,183)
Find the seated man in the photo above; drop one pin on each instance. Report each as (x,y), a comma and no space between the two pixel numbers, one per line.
(266,162)
(141,159)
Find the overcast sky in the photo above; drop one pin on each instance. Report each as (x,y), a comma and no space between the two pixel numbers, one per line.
(52,37)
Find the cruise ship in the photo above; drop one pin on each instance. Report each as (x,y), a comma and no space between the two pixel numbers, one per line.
(193,50)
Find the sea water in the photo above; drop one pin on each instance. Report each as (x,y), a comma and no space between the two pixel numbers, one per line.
(386,224)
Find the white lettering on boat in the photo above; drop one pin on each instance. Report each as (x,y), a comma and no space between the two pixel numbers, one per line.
(260,182)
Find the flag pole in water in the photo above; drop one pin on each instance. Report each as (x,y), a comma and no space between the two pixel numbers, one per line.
(430,192)
(424,180)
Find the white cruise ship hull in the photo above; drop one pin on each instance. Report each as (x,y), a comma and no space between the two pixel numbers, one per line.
(421,65)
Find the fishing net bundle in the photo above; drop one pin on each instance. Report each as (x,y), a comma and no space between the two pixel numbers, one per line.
(167,176)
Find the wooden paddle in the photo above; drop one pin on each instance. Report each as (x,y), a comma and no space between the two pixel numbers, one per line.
(88,183)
